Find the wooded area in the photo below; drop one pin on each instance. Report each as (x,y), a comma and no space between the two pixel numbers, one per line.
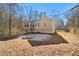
(73,20)
(12,17)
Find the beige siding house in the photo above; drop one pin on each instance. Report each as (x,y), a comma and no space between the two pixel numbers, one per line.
(44,25)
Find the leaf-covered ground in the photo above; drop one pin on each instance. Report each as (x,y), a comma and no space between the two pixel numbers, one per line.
(20,47)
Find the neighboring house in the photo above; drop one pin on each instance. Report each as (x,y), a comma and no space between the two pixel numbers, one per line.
(44,25)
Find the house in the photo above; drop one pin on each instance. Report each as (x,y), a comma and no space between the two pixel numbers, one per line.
(44,25)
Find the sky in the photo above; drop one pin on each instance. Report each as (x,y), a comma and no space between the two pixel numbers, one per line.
(51,8)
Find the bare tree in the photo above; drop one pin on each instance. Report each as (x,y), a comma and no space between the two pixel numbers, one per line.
(73,18)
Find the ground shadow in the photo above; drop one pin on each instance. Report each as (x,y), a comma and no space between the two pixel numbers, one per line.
(56,39)
(5,38)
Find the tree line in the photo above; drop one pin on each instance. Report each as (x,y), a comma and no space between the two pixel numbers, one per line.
(13,15)
(72,17)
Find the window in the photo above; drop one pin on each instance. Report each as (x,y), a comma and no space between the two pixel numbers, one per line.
(32,26)
(38,24)
(35,25)
(44,24)
(27,24)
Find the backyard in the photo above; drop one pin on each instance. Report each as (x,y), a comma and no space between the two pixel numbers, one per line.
(29,29)
(62,43)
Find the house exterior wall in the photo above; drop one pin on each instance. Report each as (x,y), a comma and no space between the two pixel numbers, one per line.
(45,26)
